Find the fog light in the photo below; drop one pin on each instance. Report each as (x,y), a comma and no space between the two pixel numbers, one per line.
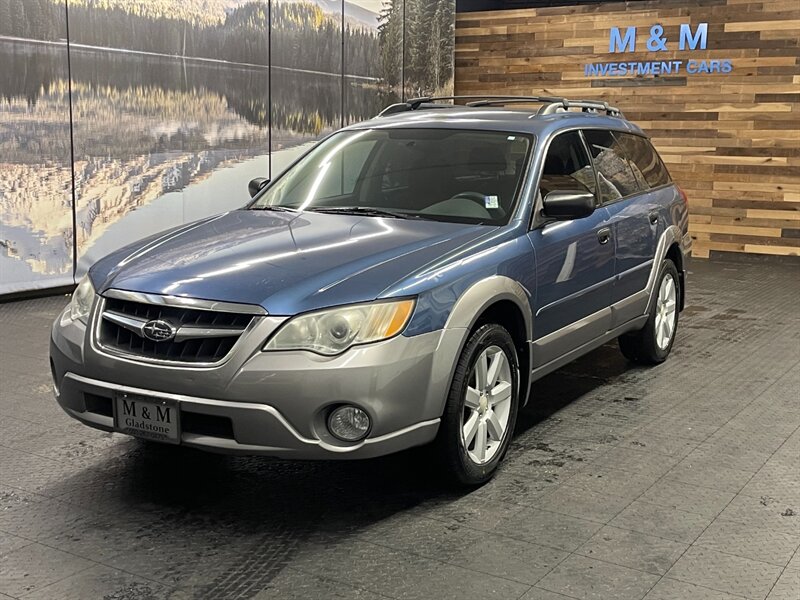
(349,423)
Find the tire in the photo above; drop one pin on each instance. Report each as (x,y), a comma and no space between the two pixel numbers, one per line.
(652,344)
(468,411)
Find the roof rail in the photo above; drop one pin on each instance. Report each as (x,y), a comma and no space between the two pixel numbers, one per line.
(502,100)
(593,106)
(552,104)
(428,102)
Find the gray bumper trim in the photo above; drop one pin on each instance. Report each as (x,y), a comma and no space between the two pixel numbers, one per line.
(305,447)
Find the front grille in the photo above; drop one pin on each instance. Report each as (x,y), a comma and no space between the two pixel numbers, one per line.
(200,336)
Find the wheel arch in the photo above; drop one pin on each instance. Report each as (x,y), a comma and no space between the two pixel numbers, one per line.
(500,300)
(676,256)
(668,246)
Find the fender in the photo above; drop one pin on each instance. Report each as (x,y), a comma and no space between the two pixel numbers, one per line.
(671,235)
(466,312)
(482,294)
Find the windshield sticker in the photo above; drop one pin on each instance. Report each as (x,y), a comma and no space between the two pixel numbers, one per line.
(491,202)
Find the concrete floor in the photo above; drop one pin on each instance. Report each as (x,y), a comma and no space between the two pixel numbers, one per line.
(677,482)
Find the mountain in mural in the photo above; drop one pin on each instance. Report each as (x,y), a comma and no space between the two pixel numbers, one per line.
(212,12)
(307,34)
(354,14)
(199,12)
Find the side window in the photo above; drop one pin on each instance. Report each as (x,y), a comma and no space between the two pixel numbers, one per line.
(567,166)
(642,154)
(625,143)
(615,174)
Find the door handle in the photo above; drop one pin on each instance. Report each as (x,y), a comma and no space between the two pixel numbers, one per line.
(603,235)
(654,217)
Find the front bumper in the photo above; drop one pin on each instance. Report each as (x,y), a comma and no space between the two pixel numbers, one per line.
(255,428)
(270,403)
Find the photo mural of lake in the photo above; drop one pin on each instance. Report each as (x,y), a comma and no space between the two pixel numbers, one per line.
(36,228)
(158,112)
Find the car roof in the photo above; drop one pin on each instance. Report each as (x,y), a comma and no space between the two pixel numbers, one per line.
(496,118)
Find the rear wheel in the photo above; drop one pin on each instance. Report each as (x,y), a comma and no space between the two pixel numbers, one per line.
(481,409)
(652,344)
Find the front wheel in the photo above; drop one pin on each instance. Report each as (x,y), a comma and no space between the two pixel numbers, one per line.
(481,409)
(652,344)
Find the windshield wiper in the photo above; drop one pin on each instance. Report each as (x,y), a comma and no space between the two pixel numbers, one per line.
(274,207)
(364,210)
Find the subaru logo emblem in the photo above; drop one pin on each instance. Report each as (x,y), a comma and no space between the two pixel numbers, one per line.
(158,330)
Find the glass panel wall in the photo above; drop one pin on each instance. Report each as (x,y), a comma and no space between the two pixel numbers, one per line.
(428,41)
(175,105)
(36,226)
(168,98)
(373,62)
(306,77)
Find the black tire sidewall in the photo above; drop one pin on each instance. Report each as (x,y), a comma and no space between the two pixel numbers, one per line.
(450,441)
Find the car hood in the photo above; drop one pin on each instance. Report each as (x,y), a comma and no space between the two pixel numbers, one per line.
(286,262)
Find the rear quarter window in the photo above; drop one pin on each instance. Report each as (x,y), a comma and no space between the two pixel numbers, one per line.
(615,173)
(642,154)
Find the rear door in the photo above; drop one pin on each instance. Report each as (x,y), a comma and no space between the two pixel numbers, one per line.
(574,259)
(634,214)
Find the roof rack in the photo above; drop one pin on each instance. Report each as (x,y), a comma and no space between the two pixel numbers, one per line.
(552,104)
(593,106)
(502,100)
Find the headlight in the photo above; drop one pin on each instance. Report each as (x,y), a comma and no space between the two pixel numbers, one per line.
(333,331)
(82,299)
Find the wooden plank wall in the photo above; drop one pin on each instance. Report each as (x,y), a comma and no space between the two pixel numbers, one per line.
(730,140)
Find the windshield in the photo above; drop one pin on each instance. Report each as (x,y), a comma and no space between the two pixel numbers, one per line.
(442,174)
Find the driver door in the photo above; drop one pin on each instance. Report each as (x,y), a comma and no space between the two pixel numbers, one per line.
(574,259)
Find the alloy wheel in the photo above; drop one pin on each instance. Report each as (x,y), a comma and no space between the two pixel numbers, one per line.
(666,307)
(487,405)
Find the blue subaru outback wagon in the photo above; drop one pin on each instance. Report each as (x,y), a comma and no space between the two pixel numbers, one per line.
(403,283)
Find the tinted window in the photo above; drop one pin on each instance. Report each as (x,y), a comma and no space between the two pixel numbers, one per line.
(441,174)
(615,174)
(642,154)
(567,166)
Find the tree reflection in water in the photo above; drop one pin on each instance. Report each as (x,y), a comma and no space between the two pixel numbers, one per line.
(143,127)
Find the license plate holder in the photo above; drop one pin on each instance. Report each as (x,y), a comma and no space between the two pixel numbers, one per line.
(147,417)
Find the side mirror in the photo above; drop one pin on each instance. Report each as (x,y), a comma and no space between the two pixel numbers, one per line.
(256,185)
(568,204)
